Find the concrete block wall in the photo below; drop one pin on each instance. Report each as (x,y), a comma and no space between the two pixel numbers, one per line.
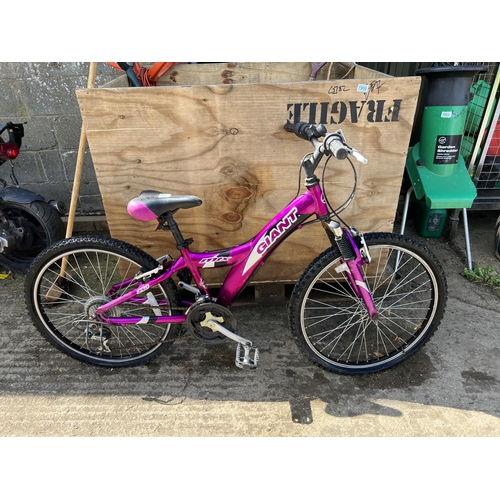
(43,95)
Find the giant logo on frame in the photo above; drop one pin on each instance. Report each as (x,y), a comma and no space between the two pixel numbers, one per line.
(270,237)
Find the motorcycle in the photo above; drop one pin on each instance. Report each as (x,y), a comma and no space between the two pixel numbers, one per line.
(28,223)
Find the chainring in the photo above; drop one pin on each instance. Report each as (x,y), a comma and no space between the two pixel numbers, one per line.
(198,313)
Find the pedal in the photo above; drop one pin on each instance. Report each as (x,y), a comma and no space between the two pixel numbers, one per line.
(247,357)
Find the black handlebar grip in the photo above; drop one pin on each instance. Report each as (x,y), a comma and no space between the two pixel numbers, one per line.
(299,129)
(306,130)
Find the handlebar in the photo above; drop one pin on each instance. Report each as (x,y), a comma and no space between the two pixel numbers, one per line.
(333,143)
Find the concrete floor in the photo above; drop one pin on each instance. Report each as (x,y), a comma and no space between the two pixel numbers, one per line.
(450,388)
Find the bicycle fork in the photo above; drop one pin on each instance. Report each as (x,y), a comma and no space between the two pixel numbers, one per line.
(353,259)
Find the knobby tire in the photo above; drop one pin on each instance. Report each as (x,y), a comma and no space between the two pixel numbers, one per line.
(42,228)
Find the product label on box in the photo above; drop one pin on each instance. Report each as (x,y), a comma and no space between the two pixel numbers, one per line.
(434,223)
(447,149)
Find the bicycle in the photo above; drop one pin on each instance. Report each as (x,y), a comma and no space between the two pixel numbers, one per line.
(363,305)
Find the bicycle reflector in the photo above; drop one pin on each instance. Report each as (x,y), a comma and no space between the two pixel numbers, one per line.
(9,150)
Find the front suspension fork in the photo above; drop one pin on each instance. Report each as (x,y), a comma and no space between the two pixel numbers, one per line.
(353,259)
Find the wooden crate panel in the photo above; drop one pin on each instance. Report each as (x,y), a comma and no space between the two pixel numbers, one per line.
(226,145)
(258,72)
(255,72)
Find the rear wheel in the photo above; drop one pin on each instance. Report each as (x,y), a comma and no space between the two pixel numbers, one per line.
(331,324)
(70,280)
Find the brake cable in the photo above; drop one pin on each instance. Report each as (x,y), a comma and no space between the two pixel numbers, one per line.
(300,173)
(346,203)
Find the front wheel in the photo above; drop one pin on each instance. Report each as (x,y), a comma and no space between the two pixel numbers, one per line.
(69,281)
(331,324)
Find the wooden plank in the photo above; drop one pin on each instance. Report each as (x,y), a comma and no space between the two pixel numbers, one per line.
(253,72)
(250,72)
(226,144)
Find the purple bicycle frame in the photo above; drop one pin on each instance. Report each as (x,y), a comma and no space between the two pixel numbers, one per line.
(244,260)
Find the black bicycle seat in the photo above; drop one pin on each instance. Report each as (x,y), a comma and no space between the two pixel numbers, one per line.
(150,205)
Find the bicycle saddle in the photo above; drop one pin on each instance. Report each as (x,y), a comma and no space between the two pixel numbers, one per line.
(150,205)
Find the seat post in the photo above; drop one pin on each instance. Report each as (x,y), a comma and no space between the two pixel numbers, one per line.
(182,244)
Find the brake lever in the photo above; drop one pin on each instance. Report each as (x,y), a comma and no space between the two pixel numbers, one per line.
(358,156)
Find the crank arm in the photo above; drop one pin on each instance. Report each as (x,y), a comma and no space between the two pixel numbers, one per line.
(217,327)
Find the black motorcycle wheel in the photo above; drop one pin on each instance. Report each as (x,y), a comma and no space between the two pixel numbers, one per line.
(42,226)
